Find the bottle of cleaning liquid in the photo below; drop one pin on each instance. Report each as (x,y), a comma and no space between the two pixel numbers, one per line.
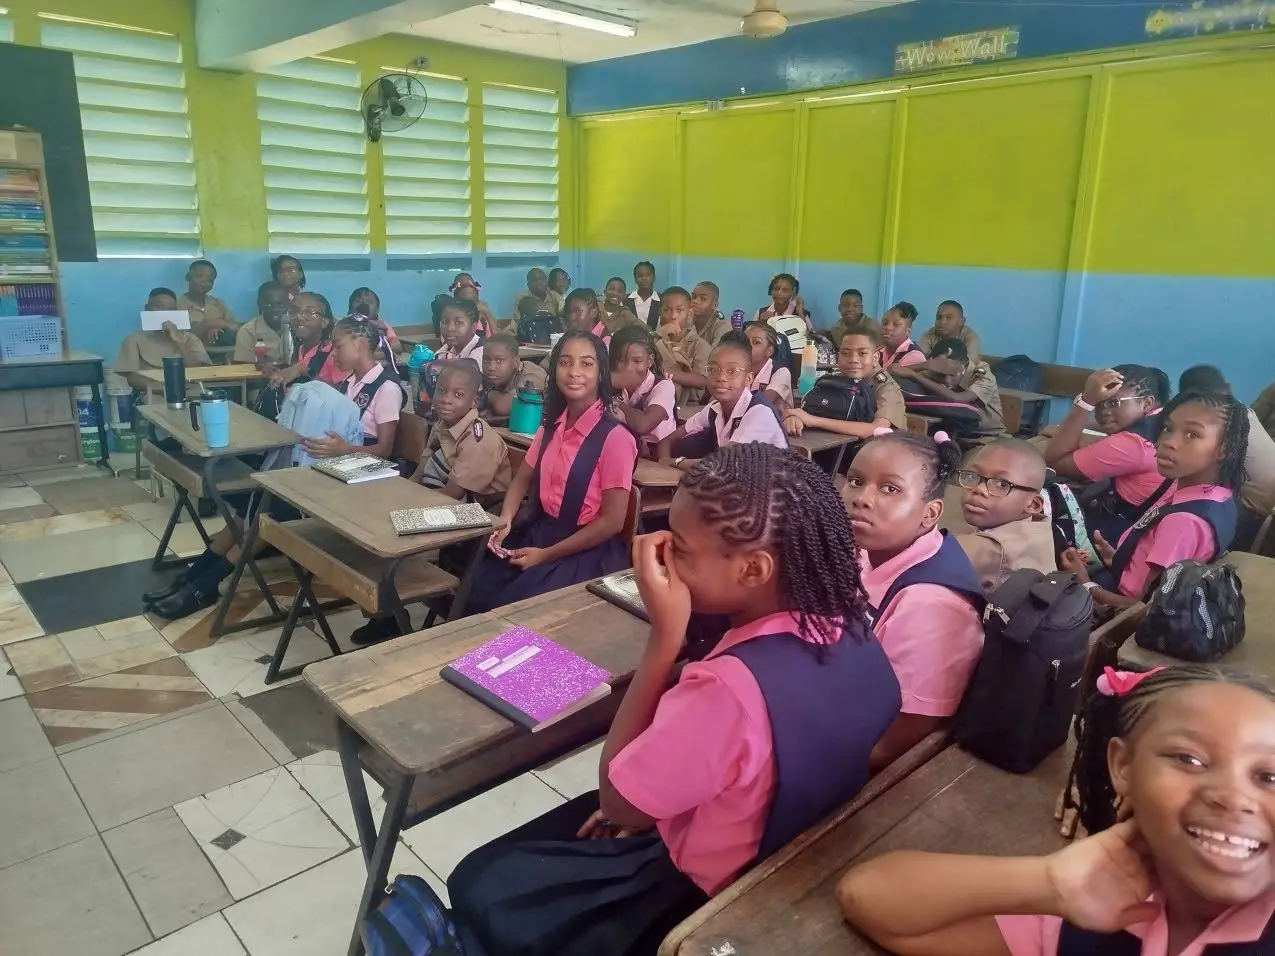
(809,367)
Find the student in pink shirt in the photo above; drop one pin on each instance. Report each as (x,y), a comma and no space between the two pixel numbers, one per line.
(1201,448)
(581,313)
(648,400)
(736,415)
(706,773)
(896,329)
(576,480)
(310,315)
(774,381)
(459,323)
(1125,402)
(926,597)
(1173,769)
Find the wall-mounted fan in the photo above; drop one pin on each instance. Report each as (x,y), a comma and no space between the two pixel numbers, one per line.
(392,102)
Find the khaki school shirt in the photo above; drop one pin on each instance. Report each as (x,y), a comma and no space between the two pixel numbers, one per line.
(246,342)
(842,327)
(716,330)
(688,354)
(476,457)
(968,337)
(213,308)
(1258,493)
(552,303)
(619,320)
(528,374)
(980,380)
(889,398)
(142,351)
(1264,408)
(996,553)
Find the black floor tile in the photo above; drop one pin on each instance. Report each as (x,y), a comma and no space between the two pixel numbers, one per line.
(297,717)
(71,601)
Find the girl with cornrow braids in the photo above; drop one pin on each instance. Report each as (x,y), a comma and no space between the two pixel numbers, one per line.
(700,780)
(1200,456)
(925,595)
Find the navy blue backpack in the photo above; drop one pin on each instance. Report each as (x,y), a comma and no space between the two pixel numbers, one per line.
(411,921)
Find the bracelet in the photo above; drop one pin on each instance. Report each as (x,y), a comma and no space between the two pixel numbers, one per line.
(1079,402)
(1089,585)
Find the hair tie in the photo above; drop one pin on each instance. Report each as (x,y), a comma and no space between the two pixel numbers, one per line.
(942,438)
(883,430)
(1114,683)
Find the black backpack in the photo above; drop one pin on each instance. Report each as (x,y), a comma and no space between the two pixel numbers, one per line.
(842,398)
(1018,706)
(1024,373)
(537,329)
(1196,612)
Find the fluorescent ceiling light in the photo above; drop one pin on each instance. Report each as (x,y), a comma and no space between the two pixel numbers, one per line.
(568,15)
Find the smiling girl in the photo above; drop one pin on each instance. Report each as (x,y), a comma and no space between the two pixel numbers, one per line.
(311,318)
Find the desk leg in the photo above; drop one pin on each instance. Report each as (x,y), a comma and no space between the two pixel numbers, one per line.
(103,459)
(378,848)
(390,599)
(467,581)
(247,541)
(275,671)
(210,481)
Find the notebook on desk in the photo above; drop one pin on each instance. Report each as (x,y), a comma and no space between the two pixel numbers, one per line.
(439,518)
(622,591)
(356,468)
(528,678)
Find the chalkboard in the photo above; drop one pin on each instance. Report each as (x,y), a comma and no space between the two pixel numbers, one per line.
(37,90)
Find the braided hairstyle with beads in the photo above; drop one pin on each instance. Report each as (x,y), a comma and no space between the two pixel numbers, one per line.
(940,457)
(760,496)
(1230,470)
(1103,717)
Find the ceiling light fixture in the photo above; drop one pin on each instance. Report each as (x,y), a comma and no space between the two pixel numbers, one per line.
(568,15)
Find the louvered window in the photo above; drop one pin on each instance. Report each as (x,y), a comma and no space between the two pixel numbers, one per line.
(520,169)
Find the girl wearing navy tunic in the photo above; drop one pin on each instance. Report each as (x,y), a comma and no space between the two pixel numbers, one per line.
(576,480)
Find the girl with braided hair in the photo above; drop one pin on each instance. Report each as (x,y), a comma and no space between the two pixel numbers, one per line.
(1200,457)
(749,747)
(926,598)
(647,399)
(1175,770)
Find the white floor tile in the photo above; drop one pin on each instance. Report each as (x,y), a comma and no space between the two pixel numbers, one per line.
(10,686)
(445,840)
(574,774)
(19,498)
(260,831)
(313,914)
(236,664)
(17,623)
(321,776)
(185,541)
(211,936)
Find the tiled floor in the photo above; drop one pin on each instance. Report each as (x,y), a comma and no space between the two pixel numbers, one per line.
(156,797)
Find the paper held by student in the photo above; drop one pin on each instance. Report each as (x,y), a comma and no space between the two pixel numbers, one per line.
(154,321)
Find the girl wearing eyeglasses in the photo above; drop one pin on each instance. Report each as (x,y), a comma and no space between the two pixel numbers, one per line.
(310,317)
(1125,402)
(735,414)
(1001,500)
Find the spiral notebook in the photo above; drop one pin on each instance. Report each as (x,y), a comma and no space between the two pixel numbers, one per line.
(357,467)
(622,591)
(439,518)
(528,678)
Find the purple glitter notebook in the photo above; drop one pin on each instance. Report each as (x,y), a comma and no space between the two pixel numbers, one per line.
(528,678)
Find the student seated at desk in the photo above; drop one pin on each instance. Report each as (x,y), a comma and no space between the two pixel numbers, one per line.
(363,301)
(465,286)
(1257,497)
(683,353)
(949,323)
(963,394)
(372,387)
(210,317)
(538,289)
(926,597)
(459,321)
(769,375)
(876,399)
(1002,502)
(559,282)
(1200,454)
(144,351)
(851,317)
(896,331)
(312,321)
(534,325)
(707,319)
(266,328)
(1172,771)
(736,414)
(745,750)
(289,273)
(575,479)
(1126,402)
(785,300)
(504,373)
(648,400)
(583,314)
(644,301)
(614,307)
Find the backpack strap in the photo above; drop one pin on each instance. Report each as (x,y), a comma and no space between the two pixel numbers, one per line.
(1221,517)
(1041,597)
(948,567)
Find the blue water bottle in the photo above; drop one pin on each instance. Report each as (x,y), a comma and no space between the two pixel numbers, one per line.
(214,409)
(524,415)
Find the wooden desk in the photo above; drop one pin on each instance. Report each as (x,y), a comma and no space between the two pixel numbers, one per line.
(920,424)
(1256,653)
(534,352)
(414,335)
(514,439)
(49,441)
(686,410)
(1012,402)
(1057,381)
(953,804)
(651,474)
(210,376)
(814,440)
(433,746)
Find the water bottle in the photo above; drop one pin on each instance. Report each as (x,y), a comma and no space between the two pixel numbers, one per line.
(214,407)
(809,367)
(259,350)
(737,319)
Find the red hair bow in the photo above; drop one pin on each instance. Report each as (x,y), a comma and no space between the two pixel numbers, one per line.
(1114,683)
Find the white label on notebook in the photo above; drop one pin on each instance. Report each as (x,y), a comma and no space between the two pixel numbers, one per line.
(520,656)
(489,663)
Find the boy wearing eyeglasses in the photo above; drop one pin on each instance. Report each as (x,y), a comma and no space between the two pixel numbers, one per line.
(1003,503)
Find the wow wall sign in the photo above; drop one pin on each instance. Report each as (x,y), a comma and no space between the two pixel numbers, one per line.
(964,49)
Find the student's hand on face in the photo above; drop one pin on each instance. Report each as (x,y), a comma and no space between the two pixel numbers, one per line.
(1101,883)
(1106,553)
(794,422)
(1101,385)
(333,446)
(944,365)
(527,558)
(667,599)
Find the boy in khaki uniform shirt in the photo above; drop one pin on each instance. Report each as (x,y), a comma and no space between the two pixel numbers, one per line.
(949,323)
(950,376)
(210,317)
(1002,502)
(856,359)
(707,321)
(272,308)
(504,373)
(683,353)
(144,351)
(464,457)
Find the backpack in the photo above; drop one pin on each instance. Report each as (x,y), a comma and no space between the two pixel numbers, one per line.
(791,332)
(411,921)
(1066,518)
(537,329)
(1018,705)
(1024,374)
(1196,612)
(825,348)
(842,398)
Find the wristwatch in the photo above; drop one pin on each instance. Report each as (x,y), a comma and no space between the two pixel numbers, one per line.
(677,462)
(1079,402)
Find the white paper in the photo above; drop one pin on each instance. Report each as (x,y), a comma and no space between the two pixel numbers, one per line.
(154,321)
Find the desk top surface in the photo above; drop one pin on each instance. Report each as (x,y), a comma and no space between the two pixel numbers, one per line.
(952,804)
(207,373)
(72,357)
(1256,653)
(651,474)
(817,439)
(361,512)
(393,696)
(1023,396)
(516,439)
(249,432)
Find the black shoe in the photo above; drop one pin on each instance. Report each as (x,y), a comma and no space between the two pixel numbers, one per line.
(167,591)
(185,602)
(376,630)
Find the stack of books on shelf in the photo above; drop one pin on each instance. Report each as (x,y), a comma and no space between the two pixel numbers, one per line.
(28,300)
(25,256)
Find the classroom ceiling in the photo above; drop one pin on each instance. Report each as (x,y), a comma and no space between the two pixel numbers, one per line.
(661,24)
